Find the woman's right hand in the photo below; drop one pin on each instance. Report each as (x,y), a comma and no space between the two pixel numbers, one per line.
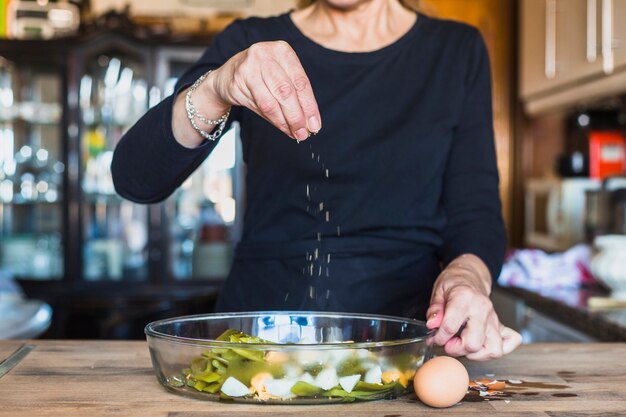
(268,79)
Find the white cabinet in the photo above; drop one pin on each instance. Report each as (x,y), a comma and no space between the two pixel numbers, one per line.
(571,51)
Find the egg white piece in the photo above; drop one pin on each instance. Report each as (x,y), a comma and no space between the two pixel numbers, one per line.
(335,357)
(280,387)
(308,378)
(349,382)
(374,375)
(327,379)
(308,358)
(234,388)
(292,371)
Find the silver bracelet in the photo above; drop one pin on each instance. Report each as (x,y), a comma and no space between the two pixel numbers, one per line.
(192,114)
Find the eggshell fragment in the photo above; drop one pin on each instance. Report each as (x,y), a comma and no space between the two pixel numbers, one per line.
(492,384)
(441,382)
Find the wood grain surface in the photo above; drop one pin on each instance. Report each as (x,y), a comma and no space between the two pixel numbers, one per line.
(76,378)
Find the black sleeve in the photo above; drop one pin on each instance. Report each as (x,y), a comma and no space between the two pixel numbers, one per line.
(471,198)
(149,163)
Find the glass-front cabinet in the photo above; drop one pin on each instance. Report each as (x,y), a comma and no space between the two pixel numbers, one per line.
(112,95)
(203,217)
(31,168)
(106,265)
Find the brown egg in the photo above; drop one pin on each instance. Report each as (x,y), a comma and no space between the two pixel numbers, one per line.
(441,382)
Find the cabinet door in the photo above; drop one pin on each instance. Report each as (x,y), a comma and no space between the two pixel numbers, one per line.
(566,43)
(579,41)
(539,49)
(203,216)
(619,34)
(31,171)
(113,94)
(562,43)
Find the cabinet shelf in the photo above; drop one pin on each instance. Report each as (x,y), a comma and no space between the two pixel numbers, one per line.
(43,114)
(30,203)
(94,198)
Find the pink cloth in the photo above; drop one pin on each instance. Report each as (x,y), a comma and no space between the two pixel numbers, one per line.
(533,268)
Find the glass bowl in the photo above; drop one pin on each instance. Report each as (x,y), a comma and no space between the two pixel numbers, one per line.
(288,357)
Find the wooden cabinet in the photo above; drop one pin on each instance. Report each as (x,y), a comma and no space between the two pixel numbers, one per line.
(619,35)
(538,46)
(571,51)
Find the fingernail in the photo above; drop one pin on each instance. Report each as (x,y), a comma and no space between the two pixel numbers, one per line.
(301,134)
(314,124)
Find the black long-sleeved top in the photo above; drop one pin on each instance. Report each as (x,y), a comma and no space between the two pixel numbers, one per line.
(412,181)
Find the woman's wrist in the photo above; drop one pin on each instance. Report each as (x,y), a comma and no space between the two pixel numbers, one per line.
(206,102)
(209,99)
(472,270)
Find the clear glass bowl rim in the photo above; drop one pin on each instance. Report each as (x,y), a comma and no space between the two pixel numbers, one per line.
(151,332)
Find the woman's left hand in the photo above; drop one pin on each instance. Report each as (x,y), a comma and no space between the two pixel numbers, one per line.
(462,311)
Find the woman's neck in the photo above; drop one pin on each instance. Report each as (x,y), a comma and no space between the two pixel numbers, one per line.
(365,27)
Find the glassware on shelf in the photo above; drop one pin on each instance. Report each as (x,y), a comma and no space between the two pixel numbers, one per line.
(31,173)
(209,200)
(113,95)
(204,204)
(212,251)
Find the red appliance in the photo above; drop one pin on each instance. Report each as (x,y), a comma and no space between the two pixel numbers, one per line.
(607,154)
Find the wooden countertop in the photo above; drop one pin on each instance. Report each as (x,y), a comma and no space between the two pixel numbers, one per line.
(78,378)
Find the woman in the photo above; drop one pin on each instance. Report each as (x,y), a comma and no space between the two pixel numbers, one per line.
(392,207)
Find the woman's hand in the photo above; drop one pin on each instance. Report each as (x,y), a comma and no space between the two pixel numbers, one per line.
(266,78)
(463,313)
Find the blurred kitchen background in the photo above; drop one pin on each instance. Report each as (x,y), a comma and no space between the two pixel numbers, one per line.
(77,261)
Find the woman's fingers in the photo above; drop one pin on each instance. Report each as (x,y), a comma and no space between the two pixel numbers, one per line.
(472,337)
(268,78)
(455,316)
(510,339)
(434,314)
(492,346)
(303,88)
(281,87)
(263,103)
